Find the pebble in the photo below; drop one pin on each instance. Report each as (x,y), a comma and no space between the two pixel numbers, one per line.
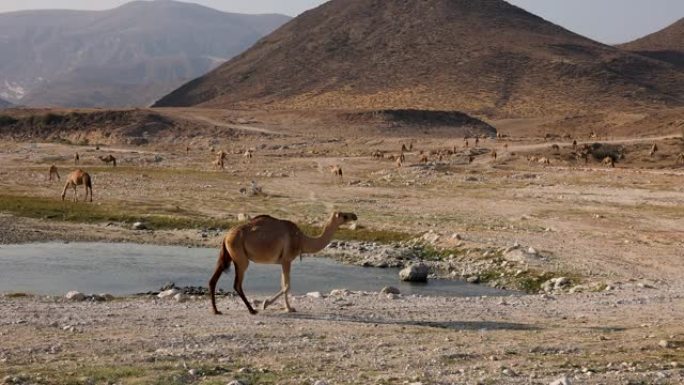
(139,226)
(664,344)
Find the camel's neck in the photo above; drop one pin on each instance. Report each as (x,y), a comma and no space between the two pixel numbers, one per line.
(313,245)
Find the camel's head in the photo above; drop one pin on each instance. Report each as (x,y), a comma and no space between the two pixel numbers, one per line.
(342,218)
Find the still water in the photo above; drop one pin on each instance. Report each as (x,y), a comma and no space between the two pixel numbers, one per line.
(115,268)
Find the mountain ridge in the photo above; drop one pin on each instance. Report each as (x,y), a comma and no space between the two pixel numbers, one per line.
(135,53)
(665,45)
(489,58)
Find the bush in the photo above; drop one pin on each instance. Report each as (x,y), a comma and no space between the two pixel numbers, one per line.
(6,120)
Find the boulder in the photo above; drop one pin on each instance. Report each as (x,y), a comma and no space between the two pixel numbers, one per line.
(75,296)
(314,294)
(415,273)
(180,297)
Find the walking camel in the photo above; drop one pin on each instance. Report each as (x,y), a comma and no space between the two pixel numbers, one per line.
(108,159)
(77,159)
(336,172)
(53,173)
(268,240)
(76,178)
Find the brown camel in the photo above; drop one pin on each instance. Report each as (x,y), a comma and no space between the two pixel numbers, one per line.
(555,147)
(53,173)
(108,159)
(403,148)
(402,157)
(76,178)
(494,154)
(268,240)
(248,154)
(336,172)
(574,144)
(377,154)
(608,161)
(399,163)
(77,159)
(424,159)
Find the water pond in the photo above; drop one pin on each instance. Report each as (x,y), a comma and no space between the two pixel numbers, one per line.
(56,268)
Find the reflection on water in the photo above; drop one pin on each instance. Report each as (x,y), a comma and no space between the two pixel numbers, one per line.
(55,268)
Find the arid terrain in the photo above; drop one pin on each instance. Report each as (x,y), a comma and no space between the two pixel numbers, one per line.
(614,234)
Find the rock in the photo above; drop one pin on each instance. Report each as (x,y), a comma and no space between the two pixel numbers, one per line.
(139,226)
(430,237)
(415,273)
(562,381)
(561,283)
(242,217)
(390,290)
(532,250)
(515,254)
(314,294)
(392,296)
(665,344)
(167,294)
(180,297)
(473,279)
(168,286)
(106,296)
(236,382)
(321,382)
(353,226)
(193,372)
(340,292)
(644,285)
(75,296)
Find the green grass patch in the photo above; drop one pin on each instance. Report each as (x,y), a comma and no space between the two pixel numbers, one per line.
(80,212)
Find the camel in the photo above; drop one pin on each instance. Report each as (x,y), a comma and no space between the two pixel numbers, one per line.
(53,172)
(574,145)
(402,157)
(77,159)
(494,154)
(187,149)
(248,154)
(466,143)
(336,171)
(376,154)
(608,161)
(218,163)
(399,163)
(654,149)
(76,178)
(544,160)
(108,159)
(477,141)
(403,148)
(424,159)
(471,159)
(268,240)
(555,147)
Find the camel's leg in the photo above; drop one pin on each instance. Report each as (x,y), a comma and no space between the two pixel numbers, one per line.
(222,265)
(240,269)
(284,286)
(75,193)
(66,186)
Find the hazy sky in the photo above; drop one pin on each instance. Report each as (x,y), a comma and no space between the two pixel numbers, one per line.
(609,21)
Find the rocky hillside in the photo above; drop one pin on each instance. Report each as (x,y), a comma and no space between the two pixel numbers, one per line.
(666,45)
(128,56)
(4,103)
(485,57)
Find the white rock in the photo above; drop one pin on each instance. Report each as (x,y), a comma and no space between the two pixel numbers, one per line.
(562,381)
(193,372)
(139,226)
(340,292)
(664,344)
(314,294)
(180,297)
(236,382)
(415,273)
(75,296)
(167,294)
(353,226)
(321,382)
(242,217)
(532,250)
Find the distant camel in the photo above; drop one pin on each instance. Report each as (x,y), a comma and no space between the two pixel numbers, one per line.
(53,173)
(268,240)
(402,157)
(403,148)
(76,178)
(477,141)
(218,163)
(376,154)
(248,154)
(574,144)
(608,161)
(77,159)
(494,154)
(466,142)
(399,163)
(471,159)
(555,147)
(544,160)
(336,171)
(424,159)
(654,149)
(108,159)
(187,149)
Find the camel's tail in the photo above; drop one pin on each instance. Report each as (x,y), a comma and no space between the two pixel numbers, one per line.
(224,257)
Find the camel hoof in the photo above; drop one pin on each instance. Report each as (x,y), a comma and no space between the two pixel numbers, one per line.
(253,312)
(291,310)
(265,305)
(216,312)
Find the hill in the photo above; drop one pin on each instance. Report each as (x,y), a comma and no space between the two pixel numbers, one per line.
(486,57)
(5,104)
(666,45)
(127,56)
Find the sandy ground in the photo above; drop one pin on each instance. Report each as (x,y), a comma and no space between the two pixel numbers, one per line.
(621,227)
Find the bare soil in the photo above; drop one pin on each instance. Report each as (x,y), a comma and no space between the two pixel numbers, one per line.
(619,230)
